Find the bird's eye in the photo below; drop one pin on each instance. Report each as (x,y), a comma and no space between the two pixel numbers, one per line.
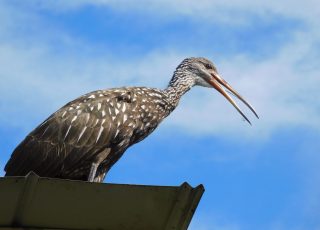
(208,66)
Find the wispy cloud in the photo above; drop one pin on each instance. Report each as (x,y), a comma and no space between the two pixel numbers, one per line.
(239,10)
(282,87)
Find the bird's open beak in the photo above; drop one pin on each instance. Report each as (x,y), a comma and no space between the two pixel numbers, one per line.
(218,83)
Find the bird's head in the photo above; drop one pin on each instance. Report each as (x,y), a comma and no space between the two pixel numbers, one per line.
(202,72)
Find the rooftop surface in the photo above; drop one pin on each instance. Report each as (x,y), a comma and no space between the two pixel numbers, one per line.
(36,202)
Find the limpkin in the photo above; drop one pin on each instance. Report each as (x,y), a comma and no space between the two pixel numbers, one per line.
(87,136)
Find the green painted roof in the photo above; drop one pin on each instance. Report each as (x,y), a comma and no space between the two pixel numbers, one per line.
(36,202)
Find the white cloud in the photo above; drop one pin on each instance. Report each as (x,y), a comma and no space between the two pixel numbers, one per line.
(36,80)
(233,11)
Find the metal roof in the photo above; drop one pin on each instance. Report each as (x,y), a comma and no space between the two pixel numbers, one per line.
(36,202)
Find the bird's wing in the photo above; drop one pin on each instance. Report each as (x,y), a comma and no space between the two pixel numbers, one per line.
(72,136)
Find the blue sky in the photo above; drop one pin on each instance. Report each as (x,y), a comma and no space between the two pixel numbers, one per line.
(264,176)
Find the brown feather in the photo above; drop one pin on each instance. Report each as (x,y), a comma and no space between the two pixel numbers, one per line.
(70,140)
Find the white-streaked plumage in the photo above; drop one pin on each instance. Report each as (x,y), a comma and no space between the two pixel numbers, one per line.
(84,138)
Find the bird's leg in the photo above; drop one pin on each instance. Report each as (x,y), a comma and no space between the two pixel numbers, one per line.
(94,166)
(100,178)
(93,170)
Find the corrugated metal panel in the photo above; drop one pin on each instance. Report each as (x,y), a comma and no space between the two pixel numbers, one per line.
(35,202)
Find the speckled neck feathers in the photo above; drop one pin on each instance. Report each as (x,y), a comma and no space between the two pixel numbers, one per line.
(180,83)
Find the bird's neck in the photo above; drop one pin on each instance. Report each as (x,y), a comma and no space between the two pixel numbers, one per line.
(178,86)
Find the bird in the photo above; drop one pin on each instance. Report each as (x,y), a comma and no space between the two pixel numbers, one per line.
(83,139)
